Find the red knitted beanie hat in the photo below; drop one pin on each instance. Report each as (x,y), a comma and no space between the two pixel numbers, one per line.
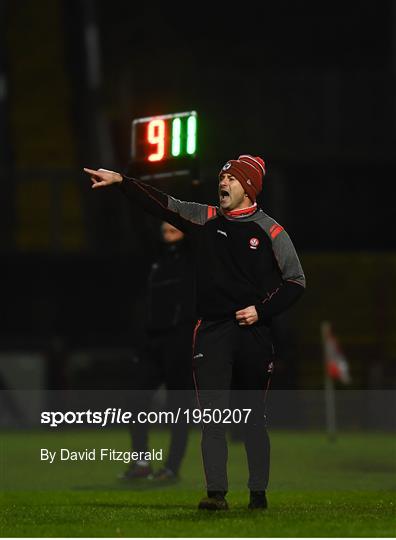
(249,171)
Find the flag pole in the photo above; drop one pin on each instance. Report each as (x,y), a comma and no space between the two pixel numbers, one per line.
(329,393)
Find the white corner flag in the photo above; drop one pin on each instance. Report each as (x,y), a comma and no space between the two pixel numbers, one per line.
(335,362)
(335,369)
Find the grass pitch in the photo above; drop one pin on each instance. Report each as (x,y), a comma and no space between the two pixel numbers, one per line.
(317,488)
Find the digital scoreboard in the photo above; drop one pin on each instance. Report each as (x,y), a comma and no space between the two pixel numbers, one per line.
(165,145)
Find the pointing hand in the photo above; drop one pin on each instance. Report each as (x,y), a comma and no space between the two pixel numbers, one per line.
(103,177)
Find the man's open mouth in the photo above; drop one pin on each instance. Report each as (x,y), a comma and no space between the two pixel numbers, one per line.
(223,194)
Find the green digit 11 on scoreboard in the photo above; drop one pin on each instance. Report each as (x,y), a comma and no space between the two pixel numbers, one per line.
(157,139)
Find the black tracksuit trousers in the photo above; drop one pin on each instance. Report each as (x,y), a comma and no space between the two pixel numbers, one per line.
(166,361)
(228,355)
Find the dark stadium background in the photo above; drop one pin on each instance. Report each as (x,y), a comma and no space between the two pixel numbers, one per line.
(309,86)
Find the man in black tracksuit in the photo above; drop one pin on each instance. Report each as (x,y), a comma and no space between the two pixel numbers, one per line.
(166,351)
(247,272)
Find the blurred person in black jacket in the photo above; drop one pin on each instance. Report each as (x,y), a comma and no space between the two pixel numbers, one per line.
(166,358)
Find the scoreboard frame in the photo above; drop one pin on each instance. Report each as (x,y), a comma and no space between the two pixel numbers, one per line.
(165,134)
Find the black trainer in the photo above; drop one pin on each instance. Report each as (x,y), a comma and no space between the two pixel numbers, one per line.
(214,501)
(258,500)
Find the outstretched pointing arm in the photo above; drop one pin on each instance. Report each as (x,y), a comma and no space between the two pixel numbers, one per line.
(181,214)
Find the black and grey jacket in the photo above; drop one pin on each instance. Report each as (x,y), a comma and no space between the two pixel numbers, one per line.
(240,261)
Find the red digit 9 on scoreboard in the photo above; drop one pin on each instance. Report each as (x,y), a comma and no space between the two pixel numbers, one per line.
(163,138)
(156,133)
